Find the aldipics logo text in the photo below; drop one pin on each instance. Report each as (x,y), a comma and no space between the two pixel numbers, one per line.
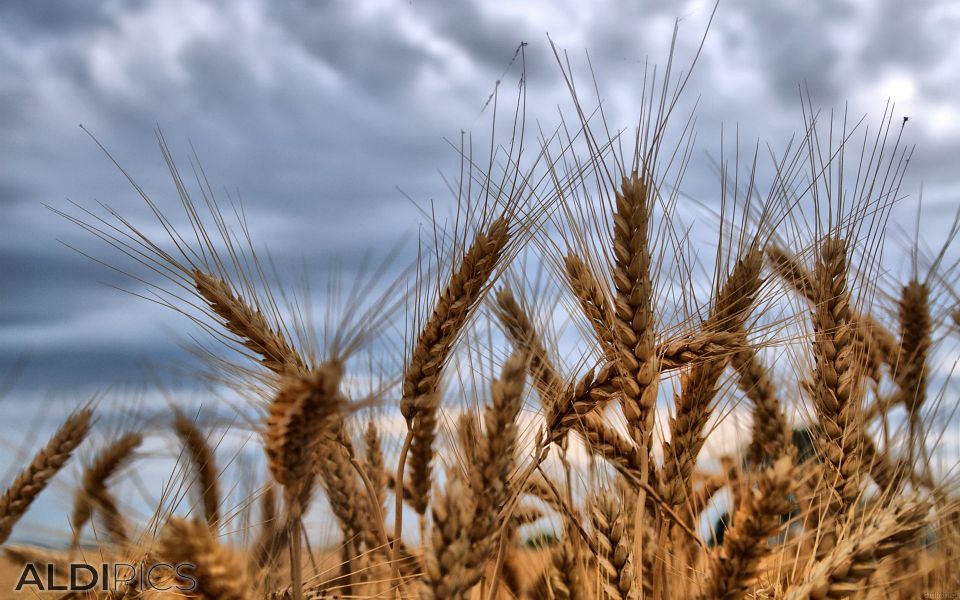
(83,577)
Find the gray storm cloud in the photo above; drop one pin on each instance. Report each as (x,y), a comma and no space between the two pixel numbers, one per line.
(314,114)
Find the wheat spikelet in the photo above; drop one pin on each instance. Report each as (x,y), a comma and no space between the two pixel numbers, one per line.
(219,573)
(421,376)
(745,544)
(93,493)
(45,464)
(204,465)
(247,323)
(611,545)
(844,570)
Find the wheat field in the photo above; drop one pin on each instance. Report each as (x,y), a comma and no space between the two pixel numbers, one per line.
(562,396)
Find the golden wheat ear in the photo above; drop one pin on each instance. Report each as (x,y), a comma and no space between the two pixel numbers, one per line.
(730,309)
(421,378)
(836,388)
(204,465)
(916,330)
(306,407)
(304,413)
(611,544)
(32,480)
(247,323)
(94,493)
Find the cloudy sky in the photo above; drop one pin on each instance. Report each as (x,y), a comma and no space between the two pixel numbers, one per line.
(318,113)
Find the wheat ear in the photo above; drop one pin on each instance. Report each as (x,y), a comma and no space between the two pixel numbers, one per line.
(305,408)
(836,385)
(770,432)
(247,323)
(877,345)
(45,464)
(634,325)
(204,465)
(561,578)
(593,302)
(523,335)
(376,472)
(421,377)
(496,456)
(698,385)
(445,565)
(678,352)
(911,371)
(219,573)
(611,545)
(745,544)
(93,492)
